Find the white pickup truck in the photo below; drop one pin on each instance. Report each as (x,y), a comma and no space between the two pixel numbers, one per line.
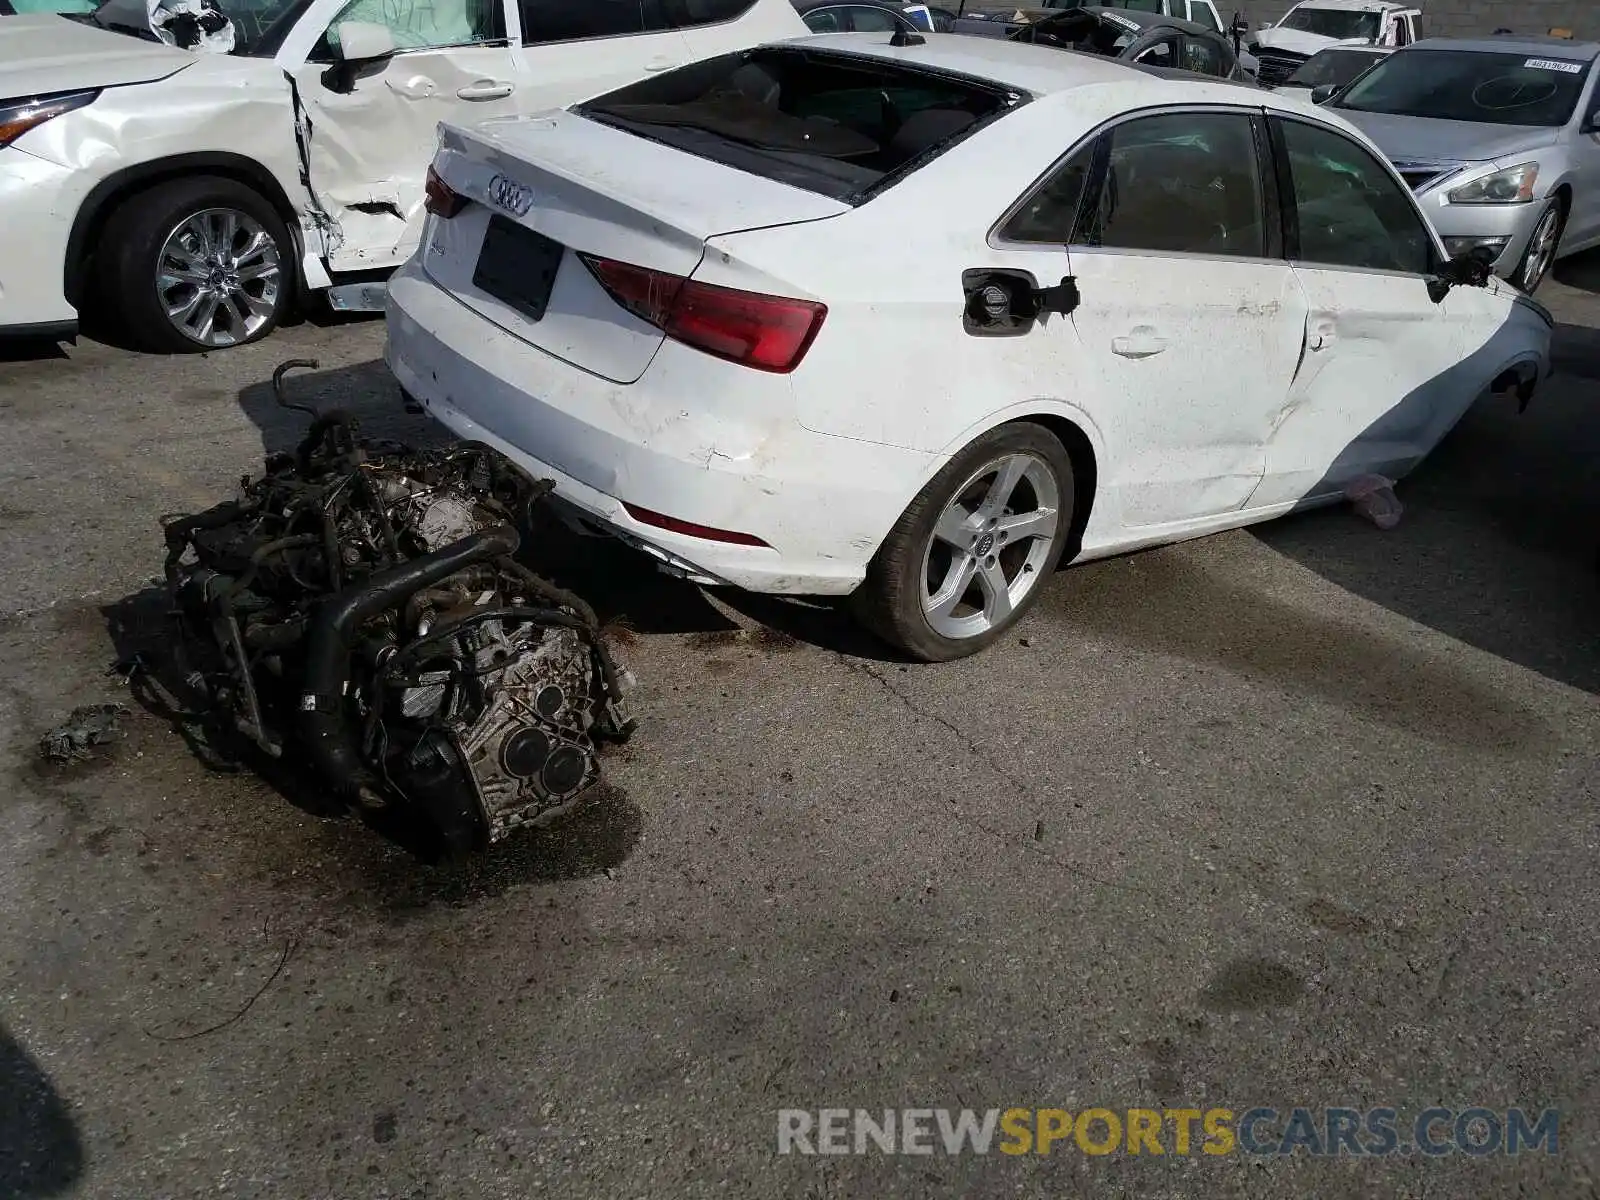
(1315,25)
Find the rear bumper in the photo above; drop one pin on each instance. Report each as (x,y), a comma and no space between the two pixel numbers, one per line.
(696,439)
(34,195)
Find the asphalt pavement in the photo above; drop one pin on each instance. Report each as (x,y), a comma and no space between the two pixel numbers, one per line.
(1303,815)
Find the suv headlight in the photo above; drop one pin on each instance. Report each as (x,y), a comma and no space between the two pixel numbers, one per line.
(19,116)
(1514,185)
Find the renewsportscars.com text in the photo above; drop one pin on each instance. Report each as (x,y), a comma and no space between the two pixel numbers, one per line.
(1331,1131)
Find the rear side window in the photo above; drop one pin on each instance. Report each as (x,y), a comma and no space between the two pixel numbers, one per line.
(575,20)
(681,13)
(1051,212)
(831,123)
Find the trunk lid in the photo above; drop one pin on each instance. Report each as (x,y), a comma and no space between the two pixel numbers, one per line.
(547,188)
(43,53)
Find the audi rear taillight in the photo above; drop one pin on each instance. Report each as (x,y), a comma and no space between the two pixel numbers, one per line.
(439,198)
(769,333)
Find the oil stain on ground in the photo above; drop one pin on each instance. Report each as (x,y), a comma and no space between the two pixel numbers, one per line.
(383,877)
(1250,985)
(1186,611)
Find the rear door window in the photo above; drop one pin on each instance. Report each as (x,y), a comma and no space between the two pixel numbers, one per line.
(1180,183)
(565,21)
(683,14)
(840,125)
(871,20)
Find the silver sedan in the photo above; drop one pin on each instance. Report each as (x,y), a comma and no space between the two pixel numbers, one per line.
(1498,138)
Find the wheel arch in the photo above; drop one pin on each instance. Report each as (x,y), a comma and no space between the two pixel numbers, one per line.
(113,191)
(1075,429)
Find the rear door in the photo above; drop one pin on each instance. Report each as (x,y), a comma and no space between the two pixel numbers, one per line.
(714,27)
(1386,371)
(368,130)
(1189,321)
(571,51)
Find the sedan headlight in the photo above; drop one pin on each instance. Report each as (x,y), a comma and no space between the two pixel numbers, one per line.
(1514,185)
(19,116)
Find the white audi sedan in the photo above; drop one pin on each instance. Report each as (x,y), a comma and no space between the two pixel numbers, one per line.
(915,321)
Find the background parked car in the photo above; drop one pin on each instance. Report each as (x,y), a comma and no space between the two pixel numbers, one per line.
(12,8)
(708,306)
(1315,25)
(196,196)
(1500,138)
(864,16)
(1328,71)
(1149,39)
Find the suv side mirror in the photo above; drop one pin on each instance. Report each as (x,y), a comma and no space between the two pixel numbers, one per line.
(355,44)
(1324,92)
(361,41)
(1591,123)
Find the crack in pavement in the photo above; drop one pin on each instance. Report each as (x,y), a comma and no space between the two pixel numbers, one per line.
(997,834)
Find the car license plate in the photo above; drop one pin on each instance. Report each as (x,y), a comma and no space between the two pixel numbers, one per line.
(518,266)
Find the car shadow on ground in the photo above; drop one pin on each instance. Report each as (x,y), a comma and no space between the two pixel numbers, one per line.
(621,584)
(1581,271)
(1498,543)
(41,1153)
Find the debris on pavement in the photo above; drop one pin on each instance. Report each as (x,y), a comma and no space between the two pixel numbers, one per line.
(88,726)
(1373,497)
(358,611)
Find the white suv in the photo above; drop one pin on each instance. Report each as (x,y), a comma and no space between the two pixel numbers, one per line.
(1314,25)
(198,192)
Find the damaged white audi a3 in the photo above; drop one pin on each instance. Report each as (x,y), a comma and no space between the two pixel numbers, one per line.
(916,320)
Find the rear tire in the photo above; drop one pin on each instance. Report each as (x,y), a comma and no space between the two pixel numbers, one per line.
(197,264)
(970,556)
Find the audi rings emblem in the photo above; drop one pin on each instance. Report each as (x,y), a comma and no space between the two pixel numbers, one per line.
(510,195)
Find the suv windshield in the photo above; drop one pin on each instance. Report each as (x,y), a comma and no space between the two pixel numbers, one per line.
(252,20)
(1337,23)
(1471,85)
(831,123)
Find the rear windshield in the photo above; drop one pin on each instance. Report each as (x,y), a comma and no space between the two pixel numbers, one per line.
(841,125)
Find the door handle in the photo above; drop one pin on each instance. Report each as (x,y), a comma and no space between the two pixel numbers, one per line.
(660,64)
(1318,337)
(1141,343)
(485,89)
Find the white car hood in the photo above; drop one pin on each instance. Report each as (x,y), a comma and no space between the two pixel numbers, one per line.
(1298,41)
(42,53)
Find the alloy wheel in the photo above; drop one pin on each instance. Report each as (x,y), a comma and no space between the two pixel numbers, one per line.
(218,277)
(1541,249)
(990,545)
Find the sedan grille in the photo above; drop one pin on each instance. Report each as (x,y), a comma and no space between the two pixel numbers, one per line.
(1277,65)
